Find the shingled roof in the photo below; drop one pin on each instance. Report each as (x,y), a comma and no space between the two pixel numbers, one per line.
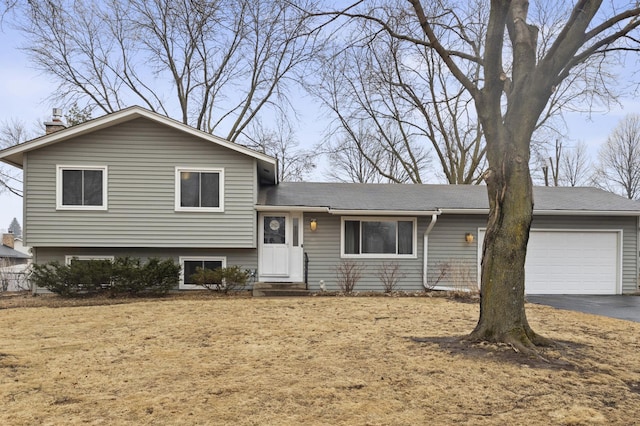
(9,253)
(417,198)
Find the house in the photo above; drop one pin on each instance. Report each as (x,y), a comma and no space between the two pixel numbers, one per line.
(13,265)
(135,183)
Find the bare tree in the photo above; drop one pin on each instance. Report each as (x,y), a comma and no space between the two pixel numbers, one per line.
(225,62)
(566,165)
(294,164)
(408,101)
(618,167)
(405,85)
(518,79)
(551,164)
(361,154)
(352,161)
(12,132)
(575,167)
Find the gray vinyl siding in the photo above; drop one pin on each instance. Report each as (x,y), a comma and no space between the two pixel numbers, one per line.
(323,249)
(245,258)
(141,157)
(452,262)
(447,246)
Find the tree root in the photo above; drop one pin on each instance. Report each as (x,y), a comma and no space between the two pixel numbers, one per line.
(522,340)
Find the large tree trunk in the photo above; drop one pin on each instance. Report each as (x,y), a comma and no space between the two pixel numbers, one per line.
(510,190)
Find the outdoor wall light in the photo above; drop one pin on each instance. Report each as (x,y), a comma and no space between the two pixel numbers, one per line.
(313,225)
(468,237)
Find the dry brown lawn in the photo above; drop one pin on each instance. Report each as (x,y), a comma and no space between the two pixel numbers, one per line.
(305,361)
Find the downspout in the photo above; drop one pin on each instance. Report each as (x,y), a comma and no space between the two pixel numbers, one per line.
(425,250)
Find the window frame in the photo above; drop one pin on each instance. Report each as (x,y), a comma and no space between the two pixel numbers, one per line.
(396,219)
(182,259)
(178,191)
(59,187)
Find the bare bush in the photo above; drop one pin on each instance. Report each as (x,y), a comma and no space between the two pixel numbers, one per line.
(389,274)
(443,271)
(455,274)
(462,275)
(348,273)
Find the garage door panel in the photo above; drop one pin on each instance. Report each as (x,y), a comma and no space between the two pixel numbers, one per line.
(572,262)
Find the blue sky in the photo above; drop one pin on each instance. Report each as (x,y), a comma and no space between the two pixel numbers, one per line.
(23,93)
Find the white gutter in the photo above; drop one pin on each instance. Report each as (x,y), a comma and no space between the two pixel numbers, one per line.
(552,212)
(383,212)
(264,208)
(425,250)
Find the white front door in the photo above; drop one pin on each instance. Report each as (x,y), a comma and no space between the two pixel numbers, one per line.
(280,251)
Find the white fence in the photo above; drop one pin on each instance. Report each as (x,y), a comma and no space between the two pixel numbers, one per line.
(14,277)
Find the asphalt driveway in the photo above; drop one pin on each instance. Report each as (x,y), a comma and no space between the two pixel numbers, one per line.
(622,307)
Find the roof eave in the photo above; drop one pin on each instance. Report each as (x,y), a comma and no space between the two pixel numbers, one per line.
(553,212)
(358,212)
(345,212)
(586,212)
(310,209)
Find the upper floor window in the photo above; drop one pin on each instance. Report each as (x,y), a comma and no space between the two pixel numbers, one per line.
(81,187)
(199,189)
(378,237)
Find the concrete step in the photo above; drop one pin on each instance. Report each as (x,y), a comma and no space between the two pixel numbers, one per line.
(279,290)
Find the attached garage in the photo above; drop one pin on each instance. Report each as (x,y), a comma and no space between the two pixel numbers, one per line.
(573,262)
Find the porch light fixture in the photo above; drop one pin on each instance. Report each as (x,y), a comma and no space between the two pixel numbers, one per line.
(468,237)
(313,225)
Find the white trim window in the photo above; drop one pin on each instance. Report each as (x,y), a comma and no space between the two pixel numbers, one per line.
(199,189)
(81,187)
(378,237)
(189,264)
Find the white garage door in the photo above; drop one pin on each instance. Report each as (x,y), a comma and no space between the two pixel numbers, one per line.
(564,262)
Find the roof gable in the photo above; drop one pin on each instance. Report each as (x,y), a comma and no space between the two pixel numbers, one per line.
(15,155)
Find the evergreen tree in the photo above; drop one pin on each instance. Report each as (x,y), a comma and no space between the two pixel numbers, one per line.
(15,228)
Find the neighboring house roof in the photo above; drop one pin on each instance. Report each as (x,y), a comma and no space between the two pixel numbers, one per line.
(9,253)
(15,155)
(429,199)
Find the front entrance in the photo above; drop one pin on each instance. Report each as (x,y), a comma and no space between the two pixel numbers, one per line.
(280,249)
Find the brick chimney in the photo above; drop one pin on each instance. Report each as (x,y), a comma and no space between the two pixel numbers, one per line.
(8,239)
(56,122)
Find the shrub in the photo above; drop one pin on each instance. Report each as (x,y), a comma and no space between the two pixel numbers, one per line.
(389,274)
(155,277)
(125,275)
(221,279)
(348,273)
(85,277)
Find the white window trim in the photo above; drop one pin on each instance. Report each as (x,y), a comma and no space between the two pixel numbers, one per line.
(69,258)
(414,248)
(105,176)
(179,208)
(182,259)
